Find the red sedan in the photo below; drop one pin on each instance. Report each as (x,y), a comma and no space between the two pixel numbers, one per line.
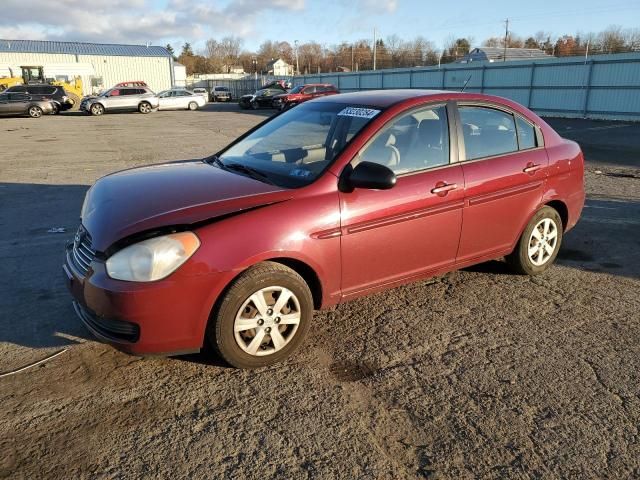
(337,198)
(303,93)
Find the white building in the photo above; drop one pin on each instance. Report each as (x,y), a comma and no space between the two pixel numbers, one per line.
(279,68)
(179,75)
(99,65)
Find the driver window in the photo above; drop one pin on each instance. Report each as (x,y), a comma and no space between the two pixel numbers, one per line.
(415,141)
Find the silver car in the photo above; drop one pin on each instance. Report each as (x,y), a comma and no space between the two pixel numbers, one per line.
(203,92)
(121,99)
(180,99)
(23,104)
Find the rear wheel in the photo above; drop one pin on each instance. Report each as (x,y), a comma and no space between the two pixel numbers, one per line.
(193,106)
(539,244)
(144,107)
(35,111)
(96,109)
(263,317)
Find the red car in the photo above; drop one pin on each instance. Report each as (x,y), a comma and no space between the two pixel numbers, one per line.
(302,93)
(133,83)
(337,198)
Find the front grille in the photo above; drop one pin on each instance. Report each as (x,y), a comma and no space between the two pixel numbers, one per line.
(111,330)
(81,253)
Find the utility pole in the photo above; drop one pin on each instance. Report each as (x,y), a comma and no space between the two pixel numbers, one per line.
(352,57)
(295,42)
(506,38)
(374,48)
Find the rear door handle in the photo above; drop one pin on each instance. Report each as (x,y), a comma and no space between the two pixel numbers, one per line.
(531,167)
(443,188)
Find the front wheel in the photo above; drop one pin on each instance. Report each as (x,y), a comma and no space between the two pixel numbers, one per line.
(144,107)
(263,317)
(539,244)
(35,112)
(254,105)
(96,109)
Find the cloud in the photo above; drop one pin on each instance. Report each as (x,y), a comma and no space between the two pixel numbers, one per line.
(133,21)
(379,7)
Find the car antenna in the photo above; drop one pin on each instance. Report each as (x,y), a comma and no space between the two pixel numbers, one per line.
(465,84)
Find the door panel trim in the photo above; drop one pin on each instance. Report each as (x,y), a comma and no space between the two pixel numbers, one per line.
(411,215)
(489,197)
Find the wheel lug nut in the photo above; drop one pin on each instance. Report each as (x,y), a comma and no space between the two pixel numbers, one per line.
(270,312)
(260,322)
(277,319)
(268,329)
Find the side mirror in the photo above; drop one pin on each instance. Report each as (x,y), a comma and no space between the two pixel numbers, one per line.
(368,175)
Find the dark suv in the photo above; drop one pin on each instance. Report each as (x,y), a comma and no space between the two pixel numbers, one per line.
(302,93)
(43,92)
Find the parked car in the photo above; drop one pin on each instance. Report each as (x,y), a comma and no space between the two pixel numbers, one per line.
(262,98)
(203,93)
(12,103)
(121,99)
(329,201)
(221,94)
(302,93)
(132,83)
(180,99)
(56,94)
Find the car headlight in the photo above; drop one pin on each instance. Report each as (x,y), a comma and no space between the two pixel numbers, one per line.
(152,259)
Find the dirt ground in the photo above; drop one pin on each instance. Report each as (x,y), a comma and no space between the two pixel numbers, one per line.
(478,374)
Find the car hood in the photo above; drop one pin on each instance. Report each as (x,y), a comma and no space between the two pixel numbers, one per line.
(171,194)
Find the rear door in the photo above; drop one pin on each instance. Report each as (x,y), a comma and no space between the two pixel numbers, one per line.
(505,166)
(18,103)
(4,103)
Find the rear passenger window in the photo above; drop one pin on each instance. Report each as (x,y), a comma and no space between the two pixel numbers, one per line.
(415,141)
(526,134)
(487,132)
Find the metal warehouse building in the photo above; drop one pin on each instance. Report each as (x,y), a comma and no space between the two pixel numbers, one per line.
(99,65)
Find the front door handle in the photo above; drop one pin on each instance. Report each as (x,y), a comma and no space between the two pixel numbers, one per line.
(443,188)
(531,168)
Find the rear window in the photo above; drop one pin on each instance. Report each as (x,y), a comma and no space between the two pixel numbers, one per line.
(487,132)
(526,134)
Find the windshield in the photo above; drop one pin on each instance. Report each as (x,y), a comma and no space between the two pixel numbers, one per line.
(294,148)
(298,89)
(105,93)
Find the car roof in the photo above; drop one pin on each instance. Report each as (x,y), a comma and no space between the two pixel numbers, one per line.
(380,98)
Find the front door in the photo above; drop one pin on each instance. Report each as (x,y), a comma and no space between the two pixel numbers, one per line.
(414,228)
(504,171)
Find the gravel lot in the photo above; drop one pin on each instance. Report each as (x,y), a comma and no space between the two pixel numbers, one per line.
(479,373)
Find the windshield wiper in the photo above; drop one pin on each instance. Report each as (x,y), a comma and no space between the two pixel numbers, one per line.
(213,159)
(252,172)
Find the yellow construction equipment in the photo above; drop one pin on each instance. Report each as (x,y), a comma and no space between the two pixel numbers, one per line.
(31,74)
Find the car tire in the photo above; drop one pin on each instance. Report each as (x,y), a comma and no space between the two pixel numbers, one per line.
(145,107)
(35,111)
(96,109)
(254,105)
(193,106)
(56,109)
(241,330)
(539,243)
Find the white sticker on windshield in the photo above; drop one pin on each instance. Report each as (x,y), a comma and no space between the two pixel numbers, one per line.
(359,112)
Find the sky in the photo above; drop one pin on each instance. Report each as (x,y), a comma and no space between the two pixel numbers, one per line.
(327,22)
